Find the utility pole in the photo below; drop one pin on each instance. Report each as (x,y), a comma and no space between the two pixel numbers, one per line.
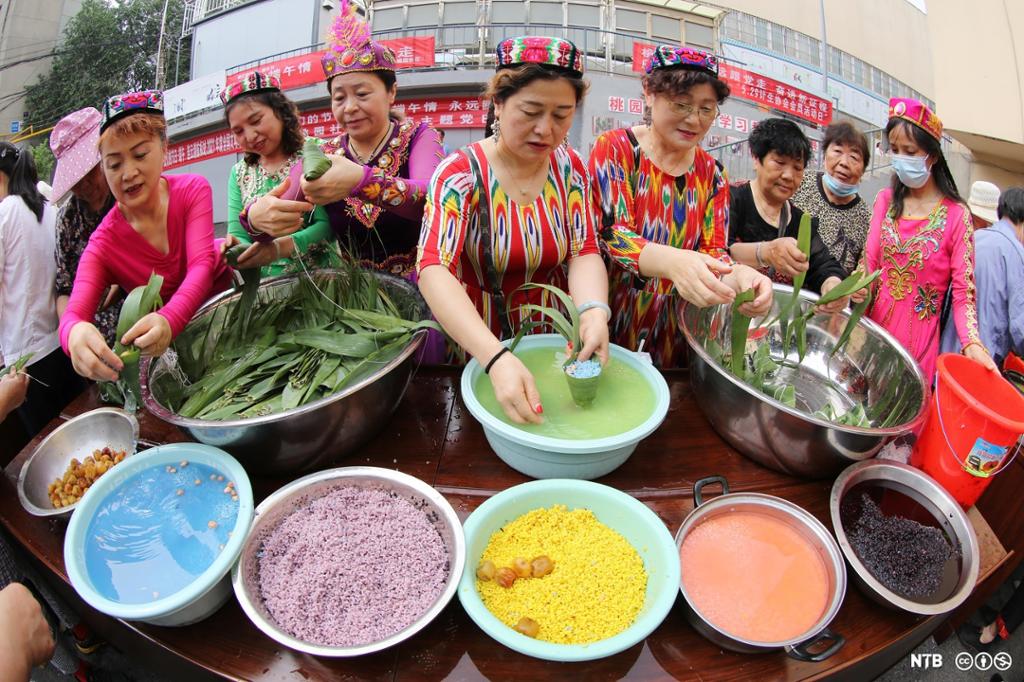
(160,48)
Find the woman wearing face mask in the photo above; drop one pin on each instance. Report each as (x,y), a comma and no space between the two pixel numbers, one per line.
(832,196)
(161,224)
(266,127)
(922,239)
(514,209)
(664,204)
(764,223)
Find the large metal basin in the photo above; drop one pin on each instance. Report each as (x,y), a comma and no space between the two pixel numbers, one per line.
(873,366)
(315,435)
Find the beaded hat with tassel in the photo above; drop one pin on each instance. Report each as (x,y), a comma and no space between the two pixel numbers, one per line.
(351,48)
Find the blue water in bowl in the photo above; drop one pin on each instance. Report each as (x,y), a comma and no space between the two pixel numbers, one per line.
(147,542)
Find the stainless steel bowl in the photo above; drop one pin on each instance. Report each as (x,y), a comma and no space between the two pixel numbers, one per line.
(293,496)
(314,435)
(945,512)
(74,439)
(873,367)
(798,647)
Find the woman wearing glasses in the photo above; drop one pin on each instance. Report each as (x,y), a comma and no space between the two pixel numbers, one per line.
(664,208)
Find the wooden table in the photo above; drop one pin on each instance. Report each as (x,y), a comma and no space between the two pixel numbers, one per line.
(433,437)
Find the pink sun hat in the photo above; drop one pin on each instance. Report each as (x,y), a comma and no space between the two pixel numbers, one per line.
(75,144)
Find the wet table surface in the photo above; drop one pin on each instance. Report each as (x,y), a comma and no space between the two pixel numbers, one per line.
(433,437)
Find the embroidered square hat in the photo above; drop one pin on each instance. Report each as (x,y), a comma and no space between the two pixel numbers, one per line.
(252,82)
(675,56)
(126,104)
(75,145)
(916,112)
(554,52)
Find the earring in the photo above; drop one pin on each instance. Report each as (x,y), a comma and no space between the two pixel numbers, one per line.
(496,129)
(565,142)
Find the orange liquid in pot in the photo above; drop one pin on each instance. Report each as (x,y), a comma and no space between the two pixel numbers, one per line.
(754,576)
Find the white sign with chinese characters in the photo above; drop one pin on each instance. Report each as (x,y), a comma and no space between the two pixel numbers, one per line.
(196,95)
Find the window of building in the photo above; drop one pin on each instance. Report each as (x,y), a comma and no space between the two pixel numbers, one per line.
(583,15)
(666,27)
(387,19)
(699,35)
(423,15)
(460,13)
(778,38)
(546,13)
(629,21)
(835,64)
(505,12)
(761,33)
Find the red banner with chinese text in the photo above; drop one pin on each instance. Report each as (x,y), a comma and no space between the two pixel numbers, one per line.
(440,112)
(295,72)
(641,53)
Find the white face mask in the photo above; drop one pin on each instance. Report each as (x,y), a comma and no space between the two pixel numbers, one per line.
(838,187)
(913,171)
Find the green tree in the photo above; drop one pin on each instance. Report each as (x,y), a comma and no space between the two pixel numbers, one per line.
(108,48)
(43,157)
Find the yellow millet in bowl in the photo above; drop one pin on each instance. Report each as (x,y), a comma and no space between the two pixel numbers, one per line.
(597,586)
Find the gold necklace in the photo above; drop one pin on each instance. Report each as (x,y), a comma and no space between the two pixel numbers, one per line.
(376,149)
(504,167)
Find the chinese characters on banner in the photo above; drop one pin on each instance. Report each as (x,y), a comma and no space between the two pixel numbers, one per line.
(622,105)
(641,53)
(759,89)
(440,112)
(295,72)
(772,93)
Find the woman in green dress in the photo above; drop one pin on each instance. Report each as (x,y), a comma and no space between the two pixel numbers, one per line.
(265,124)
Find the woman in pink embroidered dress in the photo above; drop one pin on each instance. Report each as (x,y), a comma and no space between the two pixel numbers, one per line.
(922,239)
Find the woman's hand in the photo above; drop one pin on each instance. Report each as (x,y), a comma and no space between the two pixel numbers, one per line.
(25,637)
(785,256)
(977,352)
(336,184)
(695,276)
(836,305)
(594,335)
(258,254)
(278,217)
(151,335)
(113,293)
(13,387)
(90,355)
(744,277)
(516,390)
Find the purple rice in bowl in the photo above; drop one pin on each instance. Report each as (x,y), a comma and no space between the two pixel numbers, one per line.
(349,561)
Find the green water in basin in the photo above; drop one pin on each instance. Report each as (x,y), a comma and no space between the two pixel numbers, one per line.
(624,400)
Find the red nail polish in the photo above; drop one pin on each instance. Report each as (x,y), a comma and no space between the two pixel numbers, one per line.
(539,409)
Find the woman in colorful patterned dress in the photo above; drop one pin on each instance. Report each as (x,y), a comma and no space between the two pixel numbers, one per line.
(513,209)
(922,239)
(266,127)
(664,203)
(380,166)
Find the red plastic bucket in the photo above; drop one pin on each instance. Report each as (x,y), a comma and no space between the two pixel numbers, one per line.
(974,423)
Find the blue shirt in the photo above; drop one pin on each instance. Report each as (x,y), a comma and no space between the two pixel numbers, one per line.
(999,278)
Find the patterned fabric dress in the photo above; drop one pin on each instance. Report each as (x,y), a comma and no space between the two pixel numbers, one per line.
(313,244)
(380,223)
(640,203)
(493,244)
(842,227)
(75,222)
(921,258)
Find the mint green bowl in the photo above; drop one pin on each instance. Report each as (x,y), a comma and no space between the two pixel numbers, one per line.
(547,457)
(622,513)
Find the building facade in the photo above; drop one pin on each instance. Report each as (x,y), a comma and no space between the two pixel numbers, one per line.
(30,31)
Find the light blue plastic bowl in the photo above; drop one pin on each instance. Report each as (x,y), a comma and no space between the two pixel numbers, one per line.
(546,457)
(204,595)
(622,513)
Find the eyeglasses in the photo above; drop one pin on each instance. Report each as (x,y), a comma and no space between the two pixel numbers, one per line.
(684,110)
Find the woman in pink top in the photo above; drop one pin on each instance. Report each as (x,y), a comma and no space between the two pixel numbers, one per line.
(161,224)
(922,239)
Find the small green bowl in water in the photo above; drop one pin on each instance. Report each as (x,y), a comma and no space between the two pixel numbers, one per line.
(545,456)
(623,513)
